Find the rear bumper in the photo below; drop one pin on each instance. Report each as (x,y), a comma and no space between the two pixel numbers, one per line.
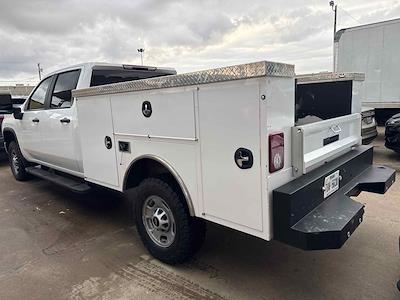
(304,219)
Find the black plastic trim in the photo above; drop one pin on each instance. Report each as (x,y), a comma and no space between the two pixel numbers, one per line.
(305,219)
(8,129)
(330,140)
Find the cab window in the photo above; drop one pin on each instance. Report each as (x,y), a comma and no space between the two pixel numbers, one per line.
(38,98)
(65,83)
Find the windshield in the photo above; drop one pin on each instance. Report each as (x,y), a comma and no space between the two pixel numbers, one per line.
(106,75)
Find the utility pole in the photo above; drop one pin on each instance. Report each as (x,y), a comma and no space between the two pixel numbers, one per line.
(334,9)
(40,70)
(141,51)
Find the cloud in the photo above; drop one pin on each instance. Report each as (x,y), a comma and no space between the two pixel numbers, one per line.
(187,35)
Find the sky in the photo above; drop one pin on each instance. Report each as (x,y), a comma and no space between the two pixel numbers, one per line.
(186,35)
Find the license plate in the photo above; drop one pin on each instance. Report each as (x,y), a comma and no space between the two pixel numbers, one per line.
(331,184)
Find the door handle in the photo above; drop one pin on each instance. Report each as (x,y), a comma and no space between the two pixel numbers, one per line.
(35,120)
(65,120)
(336,129)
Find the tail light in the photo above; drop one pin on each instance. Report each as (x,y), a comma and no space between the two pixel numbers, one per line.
(276,152)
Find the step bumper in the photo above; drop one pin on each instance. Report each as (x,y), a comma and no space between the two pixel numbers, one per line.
(303,218)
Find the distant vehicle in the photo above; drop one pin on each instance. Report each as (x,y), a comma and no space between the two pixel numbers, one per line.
(368,125)
(392,133)
(16,102)
(1,135)
(373,49)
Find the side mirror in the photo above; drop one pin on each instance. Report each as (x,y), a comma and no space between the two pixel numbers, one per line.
(6,105)
(18,114)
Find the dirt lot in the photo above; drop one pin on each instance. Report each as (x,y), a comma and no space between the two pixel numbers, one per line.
(58,245)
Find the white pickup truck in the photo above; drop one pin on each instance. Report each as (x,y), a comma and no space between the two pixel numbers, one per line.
(243,146)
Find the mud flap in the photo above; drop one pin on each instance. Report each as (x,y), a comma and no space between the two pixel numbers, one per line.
(303,218)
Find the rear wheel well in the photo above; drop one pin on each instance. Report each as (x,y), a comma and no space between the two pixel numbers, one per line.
(151,168)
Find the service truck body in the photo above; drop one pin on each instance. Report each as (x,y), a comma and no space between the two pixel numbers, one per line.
(198,122)
(373,49)
(229,143)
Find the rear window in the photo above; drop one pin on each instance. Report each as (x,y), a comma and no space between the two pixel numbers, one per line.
(108,75)
(66,82)
(321,101)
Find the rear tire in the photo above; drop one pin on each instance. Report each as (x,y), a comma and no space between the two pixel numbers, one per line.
(17,162)
(164,224)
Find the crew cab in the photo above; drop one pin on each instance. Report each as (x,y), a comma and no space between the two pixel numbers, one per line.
(47,134)
(243,146)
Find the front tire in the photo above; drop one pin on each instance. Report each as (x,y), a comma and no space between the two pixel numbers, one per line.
(17,162)
(164,224)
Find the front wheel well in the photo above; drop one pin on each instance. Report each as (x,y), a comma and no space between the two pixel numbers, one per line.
(155,168)
(9,136)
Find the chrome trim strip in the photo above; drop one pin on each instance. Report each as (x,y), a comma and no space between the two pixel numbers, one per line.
(244,71)
(172,171)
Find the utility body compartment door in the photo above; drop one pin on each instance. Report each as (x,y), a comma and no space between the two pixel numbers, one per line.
(171,114)
(230,120)
(97,140)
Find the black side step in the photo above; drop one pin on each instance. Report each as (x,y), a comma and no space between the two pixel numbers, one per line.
(74,185)
(304,219)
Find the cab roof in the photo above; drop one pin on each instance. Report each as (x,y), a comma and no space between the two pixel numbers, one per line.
(93,65)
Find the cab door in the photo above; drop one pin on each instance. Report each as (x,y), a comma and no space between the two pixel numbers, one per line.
(59,132)
(29,135)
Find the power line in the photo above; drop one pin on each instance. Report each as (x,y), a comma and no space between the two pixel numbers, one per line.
(347,13)
(22,60)
(24,79)
(18,80)
(29,79)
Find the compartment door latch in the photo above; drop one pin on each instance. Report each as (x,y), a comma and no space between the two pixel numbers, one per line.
(244,158)
(108,142)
